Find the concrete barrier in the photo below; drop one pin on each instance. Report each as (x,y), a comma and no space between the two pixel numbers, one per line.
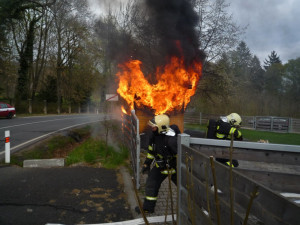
(44,163)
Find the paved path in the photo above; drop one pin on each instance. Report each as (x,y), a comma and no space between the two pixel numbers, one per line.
(79,195)
(163,202)
(73,195)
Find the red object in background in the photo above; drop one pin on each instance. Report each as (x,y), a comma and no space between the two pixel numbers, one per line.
(6,110)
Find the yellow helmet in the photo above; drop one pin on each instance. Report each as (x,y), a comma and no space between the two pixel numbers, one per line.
(162,122)
(234,119)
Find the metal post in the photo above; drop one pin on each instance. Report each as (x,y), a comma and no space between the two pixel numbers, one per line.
(7,146)
(182,139)
(137,146)
(272,121)
(290,130)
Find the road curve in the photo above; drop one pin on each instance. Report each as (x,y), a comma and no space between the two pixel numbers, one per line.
(25,131)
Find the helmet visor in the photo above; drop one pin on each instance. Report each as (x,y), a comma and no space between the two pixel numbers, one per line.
(152,123)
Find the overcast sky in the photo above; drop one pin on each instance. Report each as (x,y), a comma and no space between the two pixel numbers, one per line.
(272,25)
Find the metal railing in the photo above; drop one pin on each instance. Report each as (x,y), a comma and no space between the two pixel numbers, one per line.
(132,140)
(266,123)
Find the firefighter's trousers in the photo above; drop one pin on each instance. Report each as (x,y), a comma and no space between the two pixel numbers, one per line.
(155,178)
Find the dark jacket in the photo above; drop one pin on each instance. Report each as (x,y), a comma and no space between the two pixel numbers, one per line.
(163,148)
(222,130)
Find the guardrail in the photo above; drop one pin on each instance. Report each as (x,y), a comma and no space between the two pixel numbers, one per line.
(241,195)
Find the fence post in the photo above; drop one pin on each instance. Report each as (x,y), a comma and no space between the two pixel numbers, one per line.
(45,106)
(30,106)
(7,146)
(79,108)
(290,130)
(272,119)
(200,118)
(136,136)
(183,139)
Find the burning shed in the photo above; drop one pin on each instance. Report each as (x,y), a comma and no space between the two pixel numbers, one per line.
(177,77)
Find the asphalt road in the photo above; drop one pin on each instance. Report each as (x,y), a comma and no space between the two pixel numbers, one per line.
(25,131)
(78,195)
(67,195)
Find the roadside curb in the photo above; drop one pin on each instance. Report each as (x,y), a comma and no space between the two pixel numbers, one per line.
(44,163)
(129,190)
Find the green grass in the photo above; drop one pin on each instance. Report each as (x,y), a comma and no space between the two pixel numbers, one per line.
(56,143)
(272,137)
(254,135)
(195,127)
(95,151)
(79,147)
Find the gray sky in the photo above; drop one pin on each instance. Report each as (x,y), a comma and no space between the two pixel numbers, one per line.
(272,25)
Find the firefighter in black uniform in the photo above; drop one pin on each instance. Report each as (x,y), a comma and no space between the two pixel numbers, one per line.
(223,129)
(163,149)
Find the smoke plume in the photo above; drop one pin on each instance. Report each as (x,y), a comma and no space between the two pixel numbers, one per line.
(174,22)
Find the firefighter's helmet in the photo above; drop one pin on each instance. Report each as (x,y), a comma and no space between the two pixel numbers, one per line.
(162,122)
(234,119)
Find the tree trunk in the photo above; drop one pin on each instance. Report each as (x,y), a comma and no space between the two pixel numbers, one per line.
(26,61)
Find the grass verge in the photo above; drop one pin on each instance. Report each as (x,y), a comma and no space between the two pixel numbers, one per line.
(94,151)
(77,146)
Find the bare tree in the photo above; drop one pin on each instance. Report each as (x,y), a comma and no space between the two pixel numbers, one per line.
(41,56)
(216,30)
(67,37)
(23,27)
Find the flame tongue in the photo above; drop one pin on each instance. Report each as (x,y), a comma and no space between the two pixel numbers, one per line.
(172,92)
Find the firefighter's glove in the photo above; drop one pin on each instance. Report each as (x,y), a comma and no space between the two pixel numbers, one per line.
(145,169)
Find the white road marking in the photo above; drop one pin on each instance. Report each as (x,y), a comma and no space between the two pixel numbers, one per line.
(291,195)
(45,135)
(44,121)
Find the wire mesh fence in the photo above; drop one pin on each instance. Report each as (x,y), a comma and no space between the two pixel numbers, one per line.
(266,123)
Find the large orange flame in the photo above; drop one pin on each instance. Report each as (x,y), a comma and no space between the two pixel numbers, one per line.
(172,92)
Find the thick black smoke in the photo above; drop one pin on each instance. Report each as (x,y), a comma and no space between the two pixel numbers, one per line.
(174,22)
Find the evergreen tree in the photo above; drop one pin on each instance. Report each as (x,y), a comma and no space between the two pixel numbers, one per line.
(256,75)
(273,58)
(292,86)
(241,60)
